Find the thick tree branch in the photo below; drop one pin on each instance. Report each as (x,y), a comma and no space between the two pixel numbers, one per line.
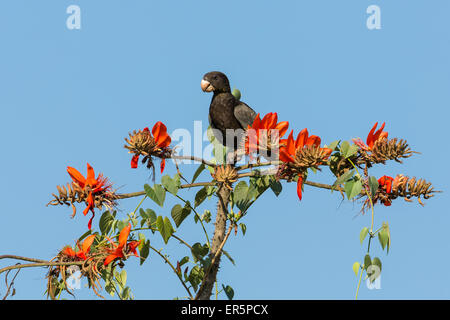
(204,293)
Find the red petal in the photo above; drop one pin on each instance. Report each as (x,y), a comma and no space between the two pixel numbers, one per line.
(299,187)
(163,164)
(90,220)
(301,138)
(377,134)
(370,139)
(132,245)
(313,141)
(158,129)
(256,123)
(134,161)
(110,258)
(282,127)
(68,251)
(123,236)
(290,144)
(328,151)
(163,141)
(76,176)
(87,243)
(90,178)
(284,156)
(266,120)
(272,120)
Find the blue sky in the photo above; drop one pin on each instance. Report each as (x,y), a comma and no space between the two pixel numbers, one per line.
(70,96)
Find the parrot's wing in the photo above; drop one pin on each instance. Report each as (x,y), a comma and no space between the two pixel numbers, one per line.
(244,114)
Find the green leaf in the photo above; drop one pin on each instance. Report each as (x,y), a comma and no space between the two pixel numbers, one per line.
(125,294)
(383,237)
(363,234)
(199,170)
(239,195)
(165,228)
(333,145)
(110,288)
(184,260)
(157,194)
(87,233)
(229,257)
(148,218)
(228,291)
(179,213)
(151,193)
(199,251)
(243,228)
(276,186)
(356,267)
(367,261)
(347,151)
(195,277)
(388,233)
(200,197)
(121,278)
(344,148)
(144,251)
(376,261)
(160,193)
(105,222)
(352,188)
(172,185)
(373,272)
(121,224)
(343,178)
(373,185)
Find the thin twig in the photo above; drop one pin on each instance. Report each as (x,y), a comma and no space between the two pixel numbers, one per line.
(40,264)
(9,286)
(183,186)
(10,256)
(193,158)
(174,270)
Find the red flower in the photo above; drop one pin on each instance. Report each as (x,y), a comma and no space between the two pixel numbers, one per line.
(162,140)
(89,184)
(120,250)
(261,133)
(385,183)
(83,249)
(372,137)
(290,148)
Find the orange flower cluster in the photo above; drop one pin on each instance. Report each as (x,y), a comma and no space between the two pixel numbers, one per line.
(106,254)
(292,152)
(91,185)
(265,134)
(155,143)
(82,251)
(122,249)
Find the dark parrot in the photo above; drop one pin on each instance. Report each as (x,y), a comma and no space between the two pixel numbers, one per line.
(225,111)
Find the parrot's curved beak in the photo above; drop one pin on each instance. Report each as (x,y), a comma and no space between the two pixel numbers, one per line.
(206,86)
